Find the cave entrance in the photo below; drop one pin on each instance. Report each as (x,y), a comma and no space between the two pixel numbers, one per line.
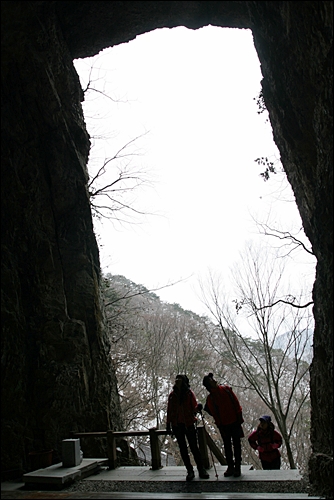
(190,99)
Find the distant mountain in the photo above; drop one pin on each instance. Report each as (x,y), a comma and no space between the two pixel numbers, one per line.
(304,340)
(118,286)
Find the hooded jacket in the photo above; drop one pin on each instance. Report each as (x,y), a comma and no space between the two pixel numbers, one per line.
(223,405)
(268,440)
(181,411)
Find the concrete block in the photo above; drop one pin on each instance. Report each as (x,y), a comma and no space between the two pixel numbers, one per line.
(71,455)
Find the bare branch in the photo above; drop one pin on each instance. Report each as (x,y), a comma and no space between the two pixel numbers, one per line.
(286,302)
(283,235)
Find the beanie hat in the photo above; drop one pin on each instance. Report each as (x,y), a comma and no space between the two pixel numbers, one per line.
(207,379)
(184,378)
(266,418)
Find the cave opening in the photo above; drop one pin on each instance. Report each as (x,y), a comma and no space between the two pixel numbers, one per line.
(206,138)
(189,97)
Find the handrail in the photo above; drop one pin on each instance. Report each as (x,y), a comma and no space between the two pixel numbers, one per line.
(160,432)
(204,439)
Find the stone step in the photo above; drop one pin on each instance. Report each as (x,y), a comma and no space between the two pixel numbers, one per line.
(42,495)
(60,476)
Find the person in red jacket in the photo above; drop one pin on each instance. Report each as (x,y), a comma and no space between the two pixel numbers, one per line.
(181,417)
(267,441)
(223,405)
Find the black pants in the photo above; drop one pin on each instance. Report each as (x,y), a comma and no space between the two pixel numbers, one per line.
(180,432)
(232,434)
(275,464)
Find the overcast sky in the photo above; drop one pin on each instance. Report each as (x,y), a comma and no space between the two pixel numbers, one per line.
(191,93)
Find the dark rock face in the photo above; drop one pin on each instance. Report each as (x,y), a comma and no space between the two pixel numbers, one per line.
(56,373)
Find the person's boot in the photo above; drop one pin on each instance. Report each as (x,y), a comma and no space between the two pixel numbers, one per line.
(229,471)
(190,476)
(203,473)
(237,470)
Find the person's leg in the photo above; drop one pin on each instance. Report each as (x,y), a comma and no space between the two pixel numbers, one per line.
(265,465)
(275,464)
(180,434)
(227,440)
(235,431)
(191,434)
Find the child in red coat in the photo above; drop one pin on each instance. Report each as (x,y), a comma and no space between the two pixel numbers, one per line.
(266,441)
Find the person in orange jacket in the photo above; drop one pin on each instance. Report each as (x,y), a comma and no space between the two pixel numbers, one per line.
(182,407)
(266,441)
(223,405)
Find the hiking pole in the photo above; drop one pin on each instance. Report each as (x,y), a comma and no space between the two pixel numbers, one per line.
(214,466)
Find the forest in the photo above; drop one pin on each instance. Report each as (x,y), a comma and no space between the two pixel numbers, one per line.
(152,341)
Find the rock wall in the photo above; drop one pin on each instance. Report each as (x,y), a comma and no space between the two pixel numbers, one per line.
(56,372)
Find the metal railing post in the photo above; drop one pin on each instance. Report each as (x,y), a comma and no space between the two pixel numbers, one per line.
(112,453)
(155,449)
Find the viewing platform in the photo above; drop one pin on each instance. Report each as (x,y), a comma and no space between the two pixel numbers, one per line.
(256,484)
(105,478)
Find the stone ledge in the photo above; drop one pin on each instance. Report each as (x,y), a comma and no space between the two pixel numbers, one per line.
(58,475)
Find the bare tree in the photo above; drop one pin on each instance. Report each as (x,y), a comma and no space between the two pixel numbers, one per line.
(277,371)
(111,185)
(126,305)
(115,179)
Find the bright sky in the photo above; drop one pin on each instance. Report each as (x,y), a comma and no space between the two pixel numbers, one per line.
(192,93)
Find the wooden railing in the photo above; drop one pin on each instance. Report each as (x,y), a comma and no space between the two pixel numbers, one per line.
(204,439)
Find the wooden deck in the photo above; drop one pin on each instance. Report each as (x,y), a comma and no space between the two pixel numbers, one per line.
(37,484)
(96,470)
(176,473)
